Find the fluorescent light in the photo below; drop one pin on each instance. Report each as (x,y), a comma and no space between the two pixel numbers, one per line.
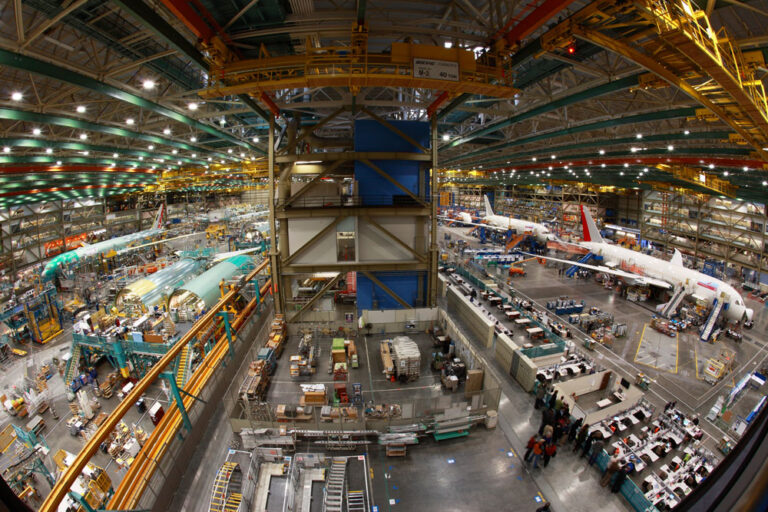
(711,166)
(167,131)
(307,162)
(602,151)
(174,151)
(80,109)
(36,131)
(639,135)
(670,148)
(129,121)
(58,162)
(255,139)
(148,84)
(6,149)
(114,155)
(48,151)
(229,151)
(552,157)
(687,132)
(192,106)
(193,139)
(151,147)
(17,96)
(83,136)
(446,137)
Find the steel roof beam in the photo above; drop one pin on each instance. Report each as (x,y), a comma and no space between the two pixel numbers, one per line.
(69,122)
(594,92)
(39,67)
(165,31)
(77,146)
(638,118)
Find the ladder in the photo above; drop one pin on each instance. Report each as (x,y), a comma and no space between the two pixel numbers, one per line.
(571,271)
(355,501)
(717,306)
(72,364)
(181,372)
(233,503)
(671,307)
(334,486)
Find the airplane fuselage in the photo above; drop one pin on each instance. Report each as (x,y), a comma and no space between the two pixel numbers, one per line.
(540,231)
(695,282)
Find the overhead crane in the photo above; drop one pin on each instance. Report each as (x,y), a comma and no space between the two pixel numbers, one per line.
(675,41)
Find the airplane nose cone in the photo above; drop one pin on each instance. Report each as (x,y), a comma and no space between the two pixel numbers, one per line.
(749,312)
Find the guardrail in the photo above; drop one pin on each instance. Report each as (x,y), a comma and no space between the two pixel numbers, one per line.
(170,420)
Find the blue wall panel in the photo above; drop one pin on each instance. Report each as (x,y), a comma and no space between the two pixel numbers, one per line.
(370,296)
(370,135)
(374,189)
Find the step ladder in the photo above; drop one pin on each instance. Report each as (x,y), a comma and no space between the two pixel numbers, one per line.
(220,489)
(182,370)
(571,271)
(514,241)
(355,501)
(72,364)
(233,503)
(709,327)
(671,307)
(334,485)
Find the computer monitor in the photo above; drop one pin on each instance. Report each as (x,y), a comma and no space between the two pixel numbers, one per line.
(625,383)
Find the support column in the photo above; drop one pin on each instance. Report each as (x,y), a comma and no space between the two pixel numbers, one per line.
(177,398)
(433,251)
(274,252)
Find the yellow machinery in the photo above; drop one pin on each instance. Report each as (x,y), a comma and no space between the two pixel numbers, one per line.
(93,486)
(215,231)
(718,367)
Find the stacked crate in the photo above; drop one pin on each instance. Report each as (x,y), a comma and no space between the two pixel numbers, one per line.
(407,358)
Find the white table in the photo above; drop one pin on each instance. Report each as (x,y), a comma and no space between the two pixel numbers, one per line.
(602,404)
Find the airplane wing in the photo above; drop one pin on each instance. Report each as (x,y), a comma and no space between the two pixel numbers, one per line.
(606,270)
(226,255)
(129,249)
(487,226)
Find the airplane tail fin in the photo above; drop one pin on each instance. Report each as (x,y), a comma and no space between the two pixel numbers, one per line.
(159,218)
(488,209)
(677,258)
(589,229)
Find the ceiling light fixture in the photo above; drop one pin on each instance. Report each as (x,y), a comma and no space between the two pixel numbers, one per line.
(192,106)
(148,84)
(80,109)
(129,121)
(167,131)
(17,96)
(83,136)
(193,139)
(48,151)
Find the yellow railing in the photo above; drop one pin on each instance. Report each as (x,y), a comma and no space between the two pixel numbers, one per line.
(682,15)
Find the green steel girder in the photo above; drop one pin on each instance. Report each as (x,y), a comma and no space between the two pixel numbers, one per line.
(667,137)
(703,152)
(46,69)
(29,159)
(162,29)
(594,92)
(165,31)
(599,125)
(78,146)
(70,122)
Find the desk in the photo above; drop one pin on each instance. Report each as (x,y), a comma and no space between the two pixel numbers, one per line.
(523,321)
(535,333)
(494,301)
(618,396)
(602,404)
(507,308)
(511,315)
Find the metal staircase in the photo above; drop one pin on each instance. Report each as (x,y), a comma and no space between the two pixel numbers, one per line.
(72,364)
(228,483)
(671,307)
(334,486)
(717,307)
(514,241)
(355,501)
(575,268)
(183,369)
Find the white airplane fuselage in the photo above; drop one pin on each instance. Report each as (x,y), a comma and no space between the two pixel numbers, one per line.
(540,231)
(695,282)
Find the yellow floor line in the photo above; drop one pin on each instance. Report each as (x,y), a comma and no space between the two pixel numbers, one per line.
(677,352)
(640,342)
(696,359)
